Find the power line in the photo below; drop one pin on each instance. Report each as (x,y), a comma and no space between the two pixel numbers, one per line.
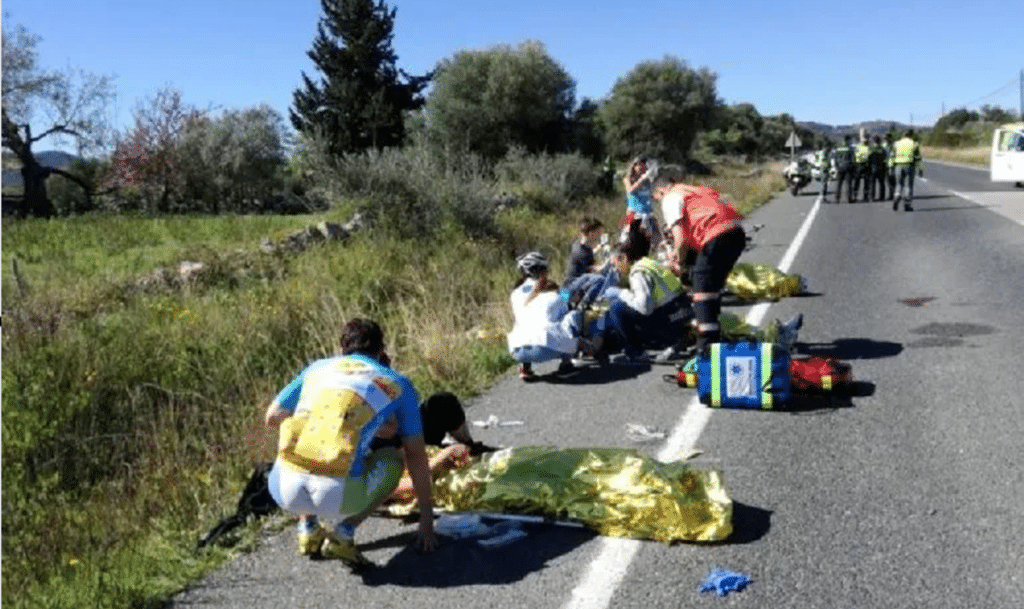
(1012,83)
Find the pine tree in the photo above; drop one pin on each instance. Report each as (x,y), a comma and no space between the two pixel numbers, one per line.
(359,101)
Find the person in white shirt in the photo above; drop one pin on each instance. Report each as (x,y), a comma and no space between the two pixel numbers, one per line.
(543,328)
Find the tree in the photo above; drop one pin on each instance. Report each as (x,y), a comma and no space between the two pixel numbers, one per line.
(995,114)
(234,161)
(360,100)
(492,100)
(149,157)
(73,102)
(658,108)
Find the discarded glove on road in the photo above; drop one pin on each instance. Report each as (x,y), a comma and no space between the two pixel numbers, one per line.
(722,582)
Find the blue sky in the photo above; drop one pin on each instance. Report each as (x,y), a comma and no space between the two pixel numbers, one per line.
(831,62)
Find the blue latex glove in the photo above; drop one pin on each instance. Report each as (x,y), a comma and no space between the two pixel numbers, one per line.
(611,292)
(722,582)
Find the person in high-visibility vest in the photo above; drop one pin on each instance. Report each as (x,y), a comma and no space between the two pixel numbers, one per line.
(861,171)
(825,166)
(842,157)
(702,223)
(890,170)
(651,311)
(907,162)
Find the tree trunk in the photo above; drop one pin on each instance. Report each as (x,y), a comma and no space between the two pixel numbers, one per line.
(36,201)
(33,175)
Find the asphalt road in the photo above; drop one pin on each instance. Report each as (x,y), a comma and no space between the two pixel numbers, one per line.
(910,494)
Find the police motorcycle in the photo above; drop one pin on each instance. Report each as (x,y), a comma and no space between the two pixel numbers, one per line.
(798,174)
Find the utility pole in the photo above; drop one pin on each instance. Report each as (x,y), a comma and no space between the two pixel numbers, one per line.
(1022,95)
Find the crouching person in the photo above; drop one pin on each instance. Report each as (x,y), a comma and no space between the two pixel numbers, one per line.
(543,327)
(326,465)
(706,230)
(651,311)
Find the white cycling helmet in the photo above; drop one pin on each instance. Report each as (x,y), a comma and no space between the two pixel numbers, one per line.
(532,264)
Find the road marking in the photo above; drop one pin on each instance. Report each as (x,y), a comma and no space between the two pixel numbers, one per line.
(609,568)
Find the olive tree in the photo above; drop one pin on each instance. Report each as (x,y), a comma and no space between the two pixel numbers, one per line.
(657,109)
(72,105)
(488,101)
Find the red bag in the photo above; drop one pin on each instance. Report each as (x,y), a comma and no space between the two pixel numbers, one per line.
(820,374)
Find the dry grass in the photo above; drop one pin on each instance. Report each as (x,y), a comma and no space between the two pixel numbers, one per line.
(974,155)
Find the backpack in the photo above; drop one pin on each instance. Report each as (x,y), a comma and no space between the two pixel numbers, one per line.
(255,501)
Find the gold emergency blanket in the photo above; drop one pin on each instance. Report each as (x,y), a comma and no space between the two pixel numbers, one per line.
(734,328)
(762,281)
(615,491)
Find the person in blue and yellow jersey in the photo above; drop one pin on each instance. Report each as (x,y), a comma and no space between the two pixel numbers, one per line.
(328,464)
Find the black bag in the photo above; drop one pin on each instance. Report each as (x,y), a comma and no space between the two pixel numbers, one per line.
(255,501)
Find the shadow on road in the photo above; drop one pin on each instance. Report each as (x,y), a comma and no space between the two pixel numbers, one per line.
(852,348)
(958,207)
(749,523)
(824,403)
(596,375)
(465,563)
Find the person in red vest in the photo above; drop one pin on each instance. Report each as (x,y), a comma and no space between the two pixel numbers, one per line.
(707,231)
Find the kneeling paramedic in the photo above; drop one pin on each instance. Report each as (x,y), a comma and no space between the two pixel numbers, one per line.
(326,463)
(652,310)
(708,227)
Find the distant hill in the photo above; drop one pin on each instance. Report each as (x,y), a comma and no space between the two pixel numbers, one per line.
(58,159)
(875,127)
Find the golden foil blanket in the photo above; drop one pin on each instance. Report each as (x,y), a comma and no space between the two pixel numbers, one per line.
(762,281)
(615,491)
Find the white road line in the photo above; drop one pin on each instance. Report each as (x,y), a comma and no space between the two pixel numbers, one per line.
(609,568)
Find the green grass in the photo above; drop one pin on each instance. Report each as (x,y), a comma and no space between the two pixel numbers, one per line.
(131,420)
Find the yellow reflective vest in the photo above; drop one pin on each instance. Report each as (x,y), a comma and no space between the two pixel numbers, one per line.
(860,154)
(665,284)
(906,152)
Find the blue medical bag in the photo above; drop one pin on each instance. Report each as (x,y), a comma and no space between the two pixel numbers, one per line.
(743,375)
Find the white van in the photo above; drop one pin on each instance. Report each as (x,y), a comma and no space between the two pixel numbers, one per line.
(1007,162)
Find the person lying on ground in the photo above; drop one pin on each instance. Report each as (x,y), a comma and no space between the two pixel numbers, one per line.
(442,415)
(325,467)
(543,327)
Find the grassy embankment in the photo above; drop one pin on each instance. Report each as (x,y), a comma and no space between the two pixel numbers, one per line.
(131,419)
(972,155)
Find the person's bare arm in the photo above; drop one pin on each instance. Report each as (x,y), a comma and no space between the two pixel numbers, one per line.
(275,414)
(419,472)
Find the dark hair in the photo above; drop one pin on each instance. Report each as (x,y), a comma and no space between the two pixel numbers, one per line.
(361,336)
(441,413)
(637,244)
(662,181)
(588,224)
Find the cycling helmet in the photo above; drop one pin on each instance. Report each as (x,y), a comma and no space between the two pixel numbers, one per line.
(532,264)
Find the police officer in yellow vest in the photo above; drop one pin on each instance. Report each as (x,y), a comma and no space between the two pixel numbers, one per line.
(824,162)
(906,161)
(862,171)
